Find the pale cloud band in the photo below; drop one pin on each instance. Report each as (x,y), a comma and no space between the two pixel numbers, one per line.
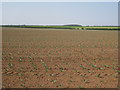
(60,0)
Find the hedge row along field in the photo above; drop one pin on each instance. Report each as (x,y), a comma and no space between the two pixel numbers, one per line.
(43,58)
(66,27)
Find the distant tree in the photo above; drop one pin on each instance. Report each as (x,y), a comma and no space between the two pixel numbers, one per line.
(82,28)
(73,25)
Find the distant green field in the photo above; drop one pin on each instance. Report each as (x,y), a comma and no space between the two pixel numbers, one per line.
(102,28)
(37,26)
(66,27)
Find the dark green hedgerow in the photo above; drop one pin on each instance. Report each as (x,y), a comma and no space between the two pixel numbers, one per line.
(66,27)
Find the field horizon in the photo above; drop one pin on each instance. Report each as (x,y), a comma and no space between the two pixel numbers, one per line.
(67,26)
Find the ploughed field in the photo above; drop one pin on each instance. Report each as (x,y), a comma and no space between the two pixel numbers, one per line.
(41,58)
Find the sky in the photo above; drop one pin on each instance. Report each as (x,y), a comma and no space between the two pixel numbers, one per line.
(59,13)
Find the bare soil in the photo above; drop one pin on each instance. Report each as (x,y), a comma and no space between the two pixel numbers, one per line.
(41,58)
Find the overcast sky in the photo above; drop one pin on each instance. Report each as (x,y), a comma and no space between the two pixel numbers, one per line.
(50,13)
